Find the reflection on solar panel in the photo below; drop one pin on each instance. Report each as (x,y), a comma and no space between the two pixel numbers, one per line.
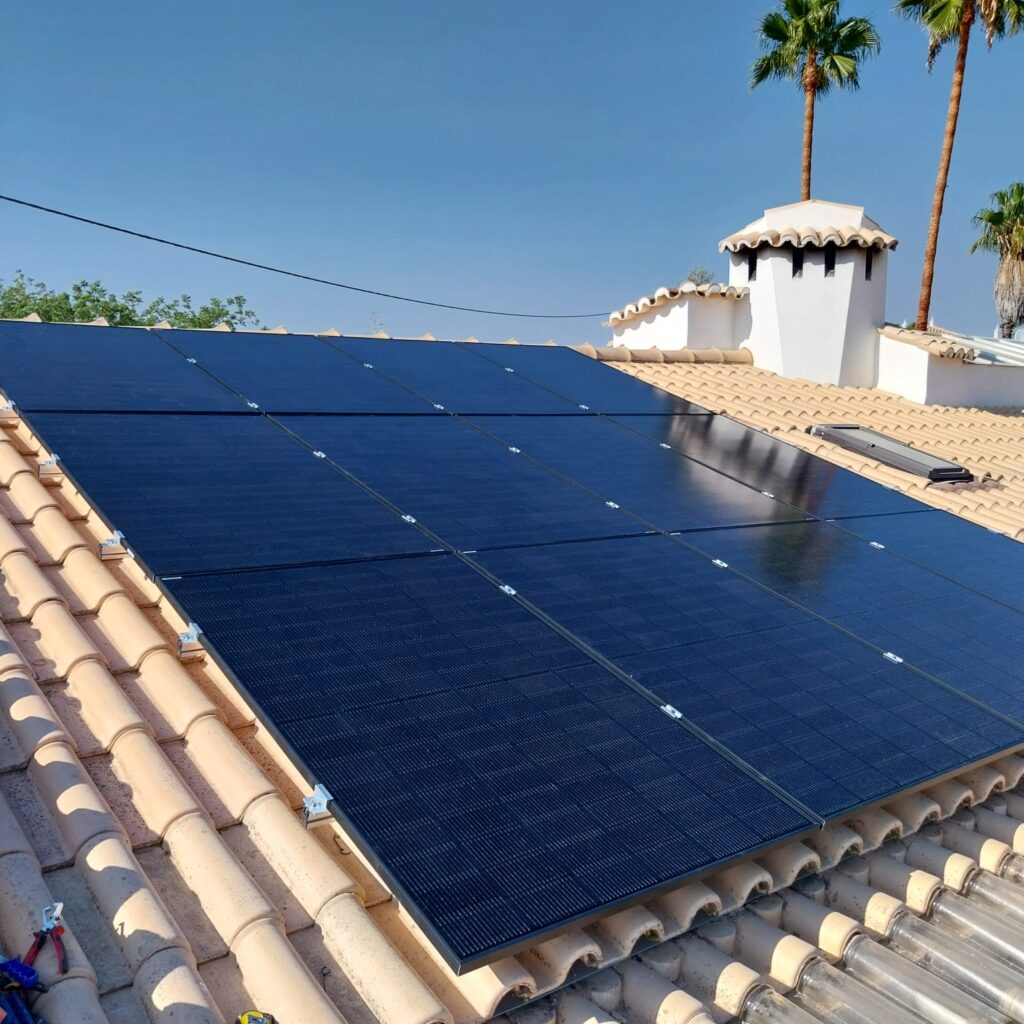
(467,488)
(499,778)
(585,381)
(670,492)
(293,373)
(822,716)
(448,374)
(930,622)
(74,366)
(821,488)
(499,722)
(199,492)
(965,552)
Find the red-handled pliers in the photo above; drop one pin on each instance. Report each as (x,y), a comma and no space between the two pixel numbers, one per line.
(52,929)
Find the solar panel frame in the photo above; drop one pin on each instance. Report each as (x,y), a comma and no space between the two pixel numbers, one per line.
(586,382)
(294,373)
(905,611)
(777,687)
(972,555)
(449,375)
(754,817)
(464,486)
(662,487)
(217,512)
(81,367)
(769,464)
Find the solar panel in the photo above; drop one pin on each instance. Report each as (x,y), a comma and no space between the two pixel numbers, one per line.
(585,381)
(819,714)
(502,786)
(76,366)
(448,374)
(906,611)
(201,492)
(469,489)
(966,552)
(671,492)
(815,485)
(294,373)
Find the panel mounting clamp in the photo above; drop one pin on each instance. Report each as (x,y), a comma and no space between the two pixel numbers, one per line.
(113,546)
(252,405)
(719,563)
(319,454)
(440,408)
(671,711)
(515,451)
(315,805)
(49,467)
(875,544)
(7,413)
(189,359)
(667,447)
(894,658)
(511,591)
(189,645)
(613,504)
(409,519)
(768,494)
(369,366)
(508,369)
(585,408)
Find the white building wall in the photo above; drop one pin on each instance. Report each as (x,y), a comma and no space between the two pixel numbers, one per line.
(903,369)
(691,321)
(914,374)
(812,326)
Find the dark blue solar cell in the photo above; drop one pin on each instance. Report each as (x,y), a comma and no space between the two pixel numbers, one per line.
(294,373)
(78,367)
(585,381)
(671,492)
(768,464)
(956,635)
(468,488)
(966,552)
(448,374)
(819,714)
(201,492)
(499,782)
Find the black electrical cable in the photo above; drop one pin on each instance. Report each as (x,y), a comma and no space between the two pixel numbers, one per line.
(292,273)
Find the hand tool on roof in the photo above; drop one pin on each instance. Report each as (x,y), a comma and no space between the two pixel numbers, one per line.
(255,1017)
(52,929)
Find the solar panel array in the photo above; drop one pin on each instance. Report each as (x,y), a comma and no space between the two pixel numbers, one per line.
(554,640)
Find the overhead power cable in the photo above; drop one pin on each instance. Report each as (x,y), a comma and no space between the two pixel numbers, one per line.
(292,273)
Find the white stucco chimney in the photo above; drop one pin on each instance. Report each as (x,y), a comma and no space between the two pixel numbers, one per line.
(816,274)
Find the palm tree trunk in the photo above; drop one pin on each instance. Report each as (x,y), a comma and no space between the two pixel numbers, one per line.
(953,113)
(1009,295)
(810,85)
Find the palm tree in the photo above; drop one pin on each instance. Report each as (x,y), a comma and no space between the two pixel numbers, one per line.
(805,42)
(946,20)
(1002,232)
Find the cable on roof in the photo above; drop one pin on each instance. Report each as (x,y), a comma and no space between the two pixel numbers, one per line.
(293,273)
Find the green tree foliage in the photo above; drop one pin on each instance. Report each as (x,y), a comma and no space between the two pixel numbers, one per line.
(1002,233)
(88,300)
(701,275)
(806,42)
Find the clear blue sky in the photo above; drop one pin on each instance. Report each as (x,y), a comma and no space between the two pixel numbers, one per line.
(553,157)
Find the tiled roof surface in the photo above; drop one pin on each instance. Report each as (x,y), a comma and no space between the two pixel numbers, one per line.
(812,222)
(990,443)
(138,788)
(935,344)
(646,303)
